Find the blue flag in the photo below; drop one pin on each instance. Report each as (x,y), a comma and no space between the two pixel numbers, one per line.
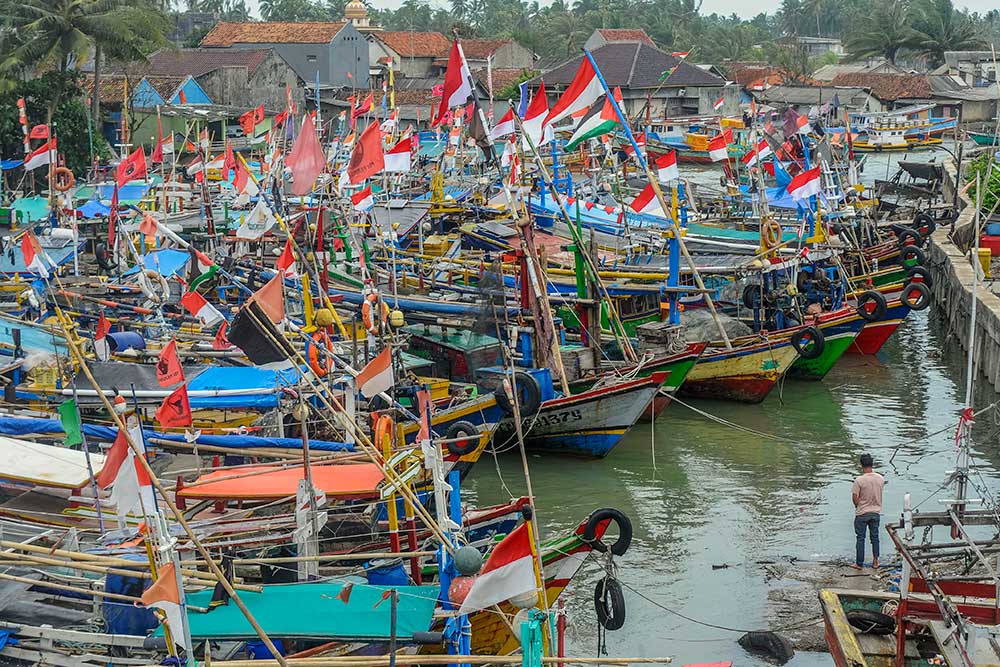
(522,105)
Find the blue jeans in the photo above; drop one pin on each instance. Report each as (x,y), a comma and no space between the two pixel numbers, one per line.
(870,522)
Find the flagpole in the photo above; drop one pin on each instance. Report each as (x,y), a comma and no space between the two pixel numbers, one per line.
(662,200)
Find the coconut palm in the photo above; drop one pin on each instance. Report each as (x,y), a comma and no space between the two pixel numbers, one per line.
(938,27)
(885,34)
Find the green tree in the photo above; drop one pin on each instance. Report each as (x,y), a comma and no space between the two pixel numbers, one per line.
(885,34)
(294,10)
(939,27)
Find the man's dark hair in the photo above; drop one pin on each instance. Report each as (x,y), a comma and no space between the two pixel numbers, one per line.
(866,461)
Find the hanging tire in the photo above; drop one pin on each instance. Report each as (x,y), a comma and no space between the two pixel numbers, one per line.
(624,524)
(871,622)
(529,398)
(911,255)
(103,257)
(919,272)
(462,429)
(609,604)
(769,644)
(908,237)
(802,338)
(924,224)
(916,296)
(872,306)
(751,296)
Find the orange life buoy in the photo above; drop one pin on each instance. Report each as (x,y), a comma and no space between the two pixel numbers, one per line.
(366,313)
(63,186)
(320,359)
(383,433)
(771,234)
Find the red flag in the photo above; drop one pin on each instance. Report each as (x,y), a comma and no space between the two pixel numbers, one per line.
(367,158)
(168,368)
(362,108)
(175,409)
(113,220)
(229,163)
(251,119)
(269,298)
(280,118)
(103,327)
(157,155)
(221,342)
(307,159)
(182,97)
(287,258)
(119,451)
(39,132)
(131,168)
(425,408)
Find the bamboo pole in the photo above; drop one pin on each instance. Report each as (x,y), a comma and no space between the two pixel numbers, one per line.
(362,555)
(80,589)
(406,660)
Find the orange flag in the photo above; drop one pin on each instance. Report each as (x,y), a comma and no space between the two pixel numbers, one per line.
(307,159)
(270,298)
(175,409)
(168,368)
(367,158)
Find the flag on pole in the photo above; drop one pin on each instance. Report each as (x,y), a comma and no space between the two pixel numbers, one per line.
(131,168)
(257,222)
(666,167)
(377,375)
(40,157)
(307,159)
(101,347)
(509,572)
(32,255)
(69,418)
(505,127)
(719,102)
(755,155)
(397,158)
(534,117)
(165,596)
(286,260)
(457,83)
(646,202)
(175,409)
(601,119)
(806,184)
(270,298)
(584,90)
(718,147)
(168,366)
(251,119)
(199,307)
(363,200)
(367,158)
(242,181)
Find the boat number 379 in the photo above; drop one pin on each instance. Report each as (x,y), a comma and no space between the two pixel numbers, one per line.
(554,419)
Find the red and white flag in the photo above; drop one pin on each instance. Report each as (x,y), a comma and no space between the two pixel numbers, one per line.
(101,347)
(32,254)
(718,147)
(505,127)
(754,156)
(363,200)
(41,156)
(666,167)
(165,596)
(457,83)
(199,307)
(397,158)
(806,184)
(508,572)
(243,183)
(646,202)
(802,125)
(131,489)
(583,91)
(534,118)
(377,376)
(719,102)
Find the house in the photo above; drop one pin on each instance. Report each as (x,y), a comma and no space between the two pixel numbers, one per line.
(814,47)
(976,68)
(892,90)
(828,73)
(413,54)
(333,52)
(759,76)
(671,87)
(603,36)
(802,98)
(500,53)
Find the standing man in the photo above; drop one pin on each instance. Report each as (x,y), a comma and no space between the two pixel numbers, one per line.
(867,496)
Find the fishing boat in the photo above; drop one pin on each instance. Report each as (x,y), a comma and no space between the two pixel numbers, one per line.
(746,372)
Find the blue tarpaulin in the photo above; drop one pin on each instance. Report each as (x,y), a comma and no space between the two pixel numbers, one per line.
(167,262)
(248,378)
(94,209)
(10,164)
(22,426)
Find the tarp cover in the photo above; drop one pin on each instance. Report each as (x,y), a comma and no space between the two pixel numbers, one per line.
(167,262)
(94,209)
(313,610)
(22,426)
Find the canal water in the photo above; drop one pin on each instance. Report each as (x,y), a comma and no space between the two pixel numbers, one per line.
(704,488)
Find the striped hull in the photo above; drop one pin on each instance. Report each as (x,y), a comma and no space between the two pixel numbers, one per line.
(746,374)
(875,334)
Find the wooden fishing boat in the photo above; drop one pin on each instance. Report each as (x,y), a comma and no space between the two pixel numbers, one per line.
(982,138)
(839,329)
(746,373)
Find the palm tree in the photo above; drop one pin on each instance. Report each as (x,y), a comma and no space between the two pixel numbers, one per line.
(64,33)
(939,27)
(885,33)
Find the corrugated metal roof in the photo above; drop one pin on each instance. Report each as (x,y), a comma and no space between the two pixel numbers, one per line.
(634,65)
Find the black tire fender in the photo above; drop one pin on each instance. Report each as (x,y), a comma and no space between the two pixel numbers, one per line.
(911,253)
(801,339)
(924,224)
(871,622)
(751,296)
(908,236)
(609,604)
(624,540)
(462,429)
(916,296)
(103,257)
(920,272)
(878,309)
(530,396)
(770,644)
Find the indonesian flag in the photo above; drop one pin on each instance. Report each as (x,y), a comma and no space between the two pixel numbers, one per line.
(363,108)
(718,147)
(754,156)
(508,572)
(680,54)
(505,127)
(33,256)
(101,347)
(509,153)
(534,117)
(132,491)
(666,167)
(199,307)
(719,102)
(41,156)
(646,202)
(584,90)
(165,596)
(388,126)
(398,157)
(457,83)
(802,125)
(377,376)
(363,200)
(806,184)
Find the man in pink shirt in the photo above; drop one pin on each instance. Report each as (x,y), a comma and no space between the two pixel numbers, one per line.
(867,496)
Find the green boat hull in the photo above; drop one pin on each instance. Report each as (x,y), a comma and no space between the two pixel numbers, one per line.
(816,369)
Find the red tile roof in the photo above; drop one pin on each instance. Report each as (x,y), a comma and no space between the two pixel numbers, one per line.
(888,87)
(415,44)
(482,48)
(625,35)
(272,32)
(758,77)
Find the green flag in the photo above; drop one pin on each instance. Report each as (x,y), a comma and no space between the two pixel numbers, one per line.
(70,419)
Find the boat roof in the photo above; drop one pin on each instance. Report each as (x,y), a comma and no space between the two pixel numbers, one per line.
(267,482)
(45,465)
(451,337)
(315,610)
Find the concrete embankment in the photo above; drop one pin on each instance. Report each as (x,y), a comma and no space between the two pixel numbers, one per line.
(953,275)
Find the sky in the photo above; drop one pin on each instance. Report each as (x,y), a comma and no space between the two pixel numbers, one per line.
(724,7)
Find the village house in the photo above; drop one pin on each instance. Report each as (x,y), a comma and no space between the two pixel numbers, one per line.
(603,36)
(412,54)
(648,77)
(803,98)
(976,68)
(334,53)
(497,53)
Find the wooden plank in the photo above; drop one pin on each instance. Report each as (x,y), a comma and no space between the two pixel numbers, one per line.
(131,641)
(842,628)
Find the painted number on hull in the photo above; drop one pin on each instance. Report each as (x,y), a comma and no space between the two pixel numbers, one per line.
(560,418)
